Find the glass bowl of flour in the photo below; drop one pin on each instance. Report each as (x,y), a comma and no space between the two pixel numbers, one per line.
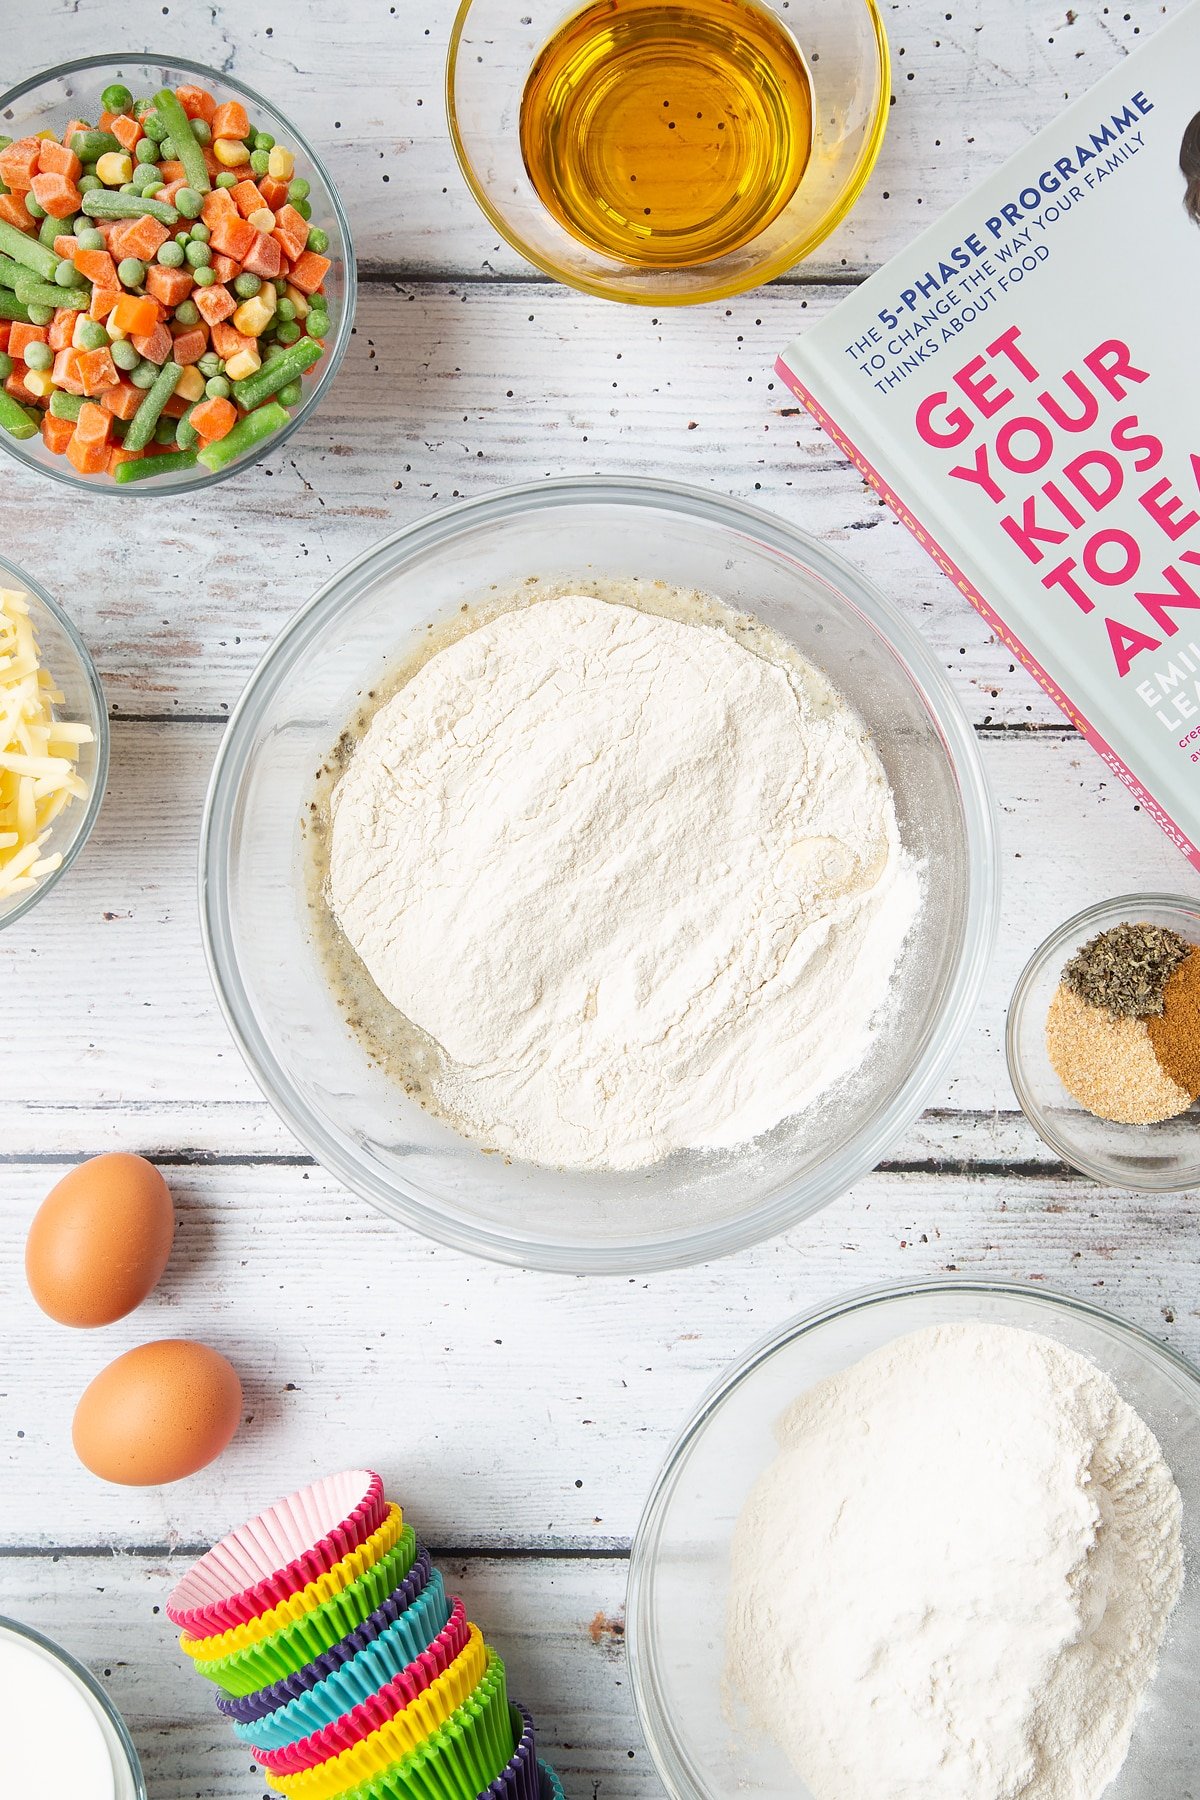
(937,1539)
(598,875)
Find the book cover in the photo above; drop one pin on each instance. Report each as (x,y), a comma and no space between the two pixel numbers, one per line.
(1022,386)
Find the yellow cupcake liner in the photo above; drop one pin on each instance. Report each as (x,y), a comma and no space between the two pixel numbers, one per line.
(335,1581)
(406,1731)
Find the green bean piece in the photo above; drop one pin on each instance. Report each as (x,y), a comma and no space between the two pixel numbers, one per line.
(146,467)
(14,418)
(40,293)
(6,366)
(141,426)
(64,405)
(9,270)
(276,374)
(39,356)
(116,98)
(124,355)
(153,187)
(90,146)
(40,315)
(104,204)
(187,150)
(251,430)
(49,229)
(186,435)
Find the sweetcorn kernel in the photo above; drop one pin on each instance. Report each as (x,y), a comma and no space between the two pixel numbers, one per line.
(253,316)
(298,300)
(244,363)
(190,385)
(262,219)
(39,382)
(230,152)
(281,164)
(113,168)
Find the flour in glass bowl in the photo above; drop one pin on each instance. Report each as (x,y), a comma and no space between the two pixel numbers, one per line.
(632,877)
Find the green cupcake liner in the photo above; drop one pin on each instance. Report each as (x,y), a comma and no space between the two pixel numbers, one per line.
(462,1757)
(301,1641)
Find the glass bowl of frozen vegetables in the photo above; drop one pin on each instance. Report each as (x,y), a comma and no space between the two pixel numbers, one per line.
(177,281)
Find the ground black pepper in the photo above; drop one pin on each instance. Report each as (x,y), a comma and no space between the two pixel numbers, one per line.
(1126,969)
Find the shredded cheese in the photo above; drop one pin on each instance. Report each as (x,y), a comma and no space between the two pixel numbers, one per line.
(38,753)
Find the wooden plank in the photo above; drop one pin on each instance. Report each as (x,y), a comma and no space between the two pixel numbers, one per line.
(558,1625)
(506,1409)
(971,82)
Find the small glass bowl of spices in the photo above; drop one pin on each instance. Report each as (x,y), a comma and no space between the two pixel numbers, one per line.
(1104,1042)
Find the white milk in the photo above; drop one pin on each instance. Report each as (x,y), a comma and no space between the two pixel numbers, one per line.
(57,1736)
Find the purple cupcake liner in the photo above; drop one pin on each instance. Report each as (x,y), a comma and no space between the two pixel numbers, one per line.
(247,1708)
(520,1779)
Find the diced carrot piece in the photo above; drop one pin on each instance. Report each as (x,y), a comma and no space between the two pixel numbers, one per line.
(19,164)
(214,419)
(98,266)
(154,345)
(196,102)
(274,192)
(89,459)
(5,328)
(22,335)
(65,248)
(57,159)
(123,400)
(14,384)
(12,211)
(214,303)
(291,231)
(309,271)
(225,268)
(217,205)
(135,314)
(94,424)
(230,121)
(171,189)
(119,454)
(57,195)
(74,125)
(169,285)
(97,370)
(227,342)
(56,433)
(103,301)
(247,198)
(65,373)
(106,119)
(142,237)
(127,131)
(232,235)
(176,406)
(170,171)
(62,328)
(189,345)
(264,257)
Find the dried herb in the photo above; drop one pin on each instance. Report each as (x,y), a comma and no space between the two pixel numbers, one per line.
(1126,969)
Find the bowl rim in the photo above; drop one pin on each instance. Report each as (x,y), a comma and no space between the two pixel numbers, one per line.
(1102,912)
(605,289)
(838,1172)
(643,1674)
(87,1680)
(196,483)
(95,687)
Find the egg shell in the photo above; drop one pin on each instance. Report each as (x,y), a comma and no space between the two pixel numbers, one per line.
(158,1413)
(100,1240)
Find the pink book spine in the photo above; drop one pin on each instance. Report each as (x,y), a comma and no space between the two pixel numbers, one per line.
(967,588)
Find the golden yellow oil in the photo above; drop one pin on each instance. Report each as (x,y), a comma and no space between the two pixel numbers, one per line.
(664,133)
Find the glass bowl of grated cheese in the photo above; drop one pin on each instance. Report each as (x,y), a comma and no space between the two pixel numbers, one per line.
(53,743)
(303,1034)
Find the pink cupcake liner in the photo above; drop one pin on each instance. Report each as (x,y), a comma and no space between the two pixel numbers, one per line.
(277,1554)
(359,1723)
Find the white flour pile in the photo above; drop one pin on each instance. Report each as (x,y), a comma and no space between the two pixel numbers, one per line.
(642,887)
(953,1582)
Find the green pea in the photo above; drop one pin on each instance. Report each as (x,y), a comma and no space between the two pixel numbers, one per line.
(49,229)
(318,324)
(167,149)
(204,276)
(145,374)
(209,363)
(217,388)
(198,255)
(39,356)
(186,313)
(170,254)
(259,162)
(290,394)
(164,431)
(90,239)
(87,184)
(227,178)
(131,271)
(124,355)
(202,131)
(262,140)
(141,108)
(5,141)
(146,150)
(34,207)
(40,315)
(298,190)
(285,311)
(187,203)
(91,335)
(151,188)
(287,332)
(245,285)
(6,361)
(200,232)
(304,208)
(67,275)
(154,127)
(117,98)
(318,240)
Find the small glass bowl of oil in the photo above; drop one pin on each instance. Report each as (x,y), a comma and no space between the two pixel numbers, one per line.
(667,151)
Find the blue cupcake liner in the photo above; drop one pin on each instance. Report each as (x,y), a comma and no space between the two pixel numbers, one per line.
(246,1709)
(552,1787)
(379,1661)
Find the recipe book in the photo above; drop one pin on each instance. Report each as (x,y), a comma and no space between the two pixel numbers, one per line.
(1022,386)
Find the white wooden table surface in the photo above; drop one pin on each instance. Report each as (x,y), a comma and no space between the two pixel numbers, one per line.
(519,1417)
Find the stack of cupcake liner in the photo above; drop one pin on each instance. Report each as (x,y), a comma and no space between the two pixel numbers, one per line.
(343,1664)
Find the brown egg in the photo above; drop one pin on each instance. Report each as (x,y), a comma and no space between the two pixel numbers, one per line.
(158,1413)
(100,1240)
